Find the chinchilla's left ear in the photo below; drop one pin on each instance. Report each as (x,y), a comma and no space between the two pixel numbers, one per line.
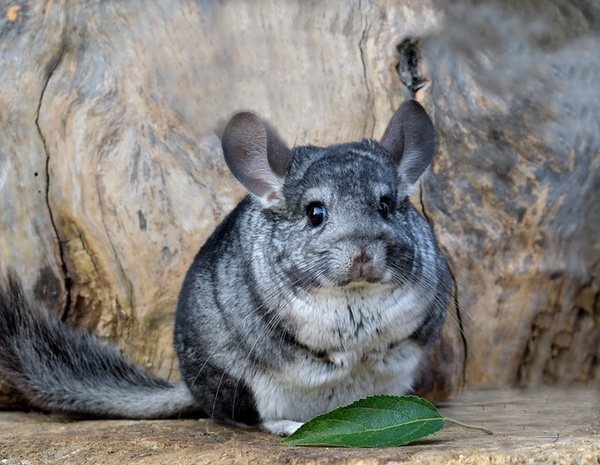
(410,140)
(256,156)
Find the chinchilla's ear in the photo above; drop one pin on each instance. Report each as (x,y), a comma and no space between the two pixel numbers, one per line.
(410,140)
(256,156)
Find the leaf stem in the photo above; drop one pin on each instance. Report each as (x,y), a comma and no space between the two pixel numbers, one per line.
(466,425)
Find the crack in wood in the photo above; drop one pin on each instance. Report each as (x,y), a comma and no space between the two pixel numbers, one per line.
(66,279)
(408,71)
(455,301)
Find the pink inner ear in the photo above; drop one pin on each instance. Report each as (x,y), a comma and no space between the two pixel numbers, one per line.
(255,155)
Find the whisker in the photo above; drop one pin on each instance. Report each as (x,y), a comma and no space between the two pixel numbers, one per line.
(421,285)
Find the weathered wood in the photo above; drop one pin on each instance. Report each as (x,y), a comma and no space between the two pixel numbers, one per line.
(28,236)
(514,198)
(111,172)
(542,426)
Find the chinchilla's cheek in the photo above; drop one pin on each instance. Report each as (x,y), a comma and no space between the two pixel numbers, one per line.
(401,258)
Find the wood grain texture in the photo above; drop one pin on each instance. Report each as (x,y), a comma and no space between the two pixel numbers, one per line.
(111,172)
(28,236)
(539,426)
(514,198)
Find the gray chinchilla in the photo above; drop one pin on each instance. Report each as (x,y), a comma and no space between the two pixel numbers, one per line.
(322,286)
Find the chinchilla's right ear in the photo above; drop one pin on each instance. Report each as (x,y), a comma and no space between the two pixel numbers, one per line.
(410,140)
(256,156)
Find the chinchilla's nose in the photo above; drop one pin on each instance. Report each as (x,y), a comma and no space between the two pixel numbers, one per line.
(361,259)
(361,265)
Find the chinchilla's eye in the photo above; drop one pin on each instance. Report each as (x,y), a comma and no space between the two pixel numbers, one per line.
(385,206)
(316,213)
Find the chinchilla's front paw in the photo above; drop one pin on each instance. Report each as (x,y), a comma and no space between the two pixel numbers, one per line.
(343,360)
(281,428)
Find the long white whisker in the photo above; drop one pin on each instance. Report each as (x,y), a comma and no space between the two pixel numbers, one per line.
(421,285)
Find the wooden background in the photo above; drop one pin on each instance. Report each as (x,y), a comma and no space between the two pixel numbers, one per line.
(111,172)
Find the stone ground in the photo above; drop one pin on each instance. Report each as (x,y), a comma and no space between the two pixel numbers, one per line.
(545,427)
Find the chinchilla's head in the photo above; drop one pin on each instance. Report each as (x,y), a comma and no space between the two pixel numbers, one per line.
(339,215)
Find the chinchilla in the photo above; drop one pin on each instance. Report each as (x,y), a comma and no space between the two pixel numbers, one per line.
(322,286)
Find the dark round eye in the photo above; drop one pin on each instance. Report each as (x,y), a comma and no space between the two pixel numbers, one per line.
(316,213)
(385,206)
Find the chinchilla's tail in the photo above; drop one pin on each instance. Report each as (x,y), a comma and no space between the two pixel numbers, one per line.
(62,370)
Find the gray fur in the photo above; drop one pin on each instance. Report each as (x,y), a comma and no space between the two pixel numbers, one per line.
(74,373)
(279,318)
(273,308)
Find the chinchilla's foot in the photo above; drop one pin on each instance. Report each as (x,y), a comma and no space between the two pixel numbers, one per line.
(281,428)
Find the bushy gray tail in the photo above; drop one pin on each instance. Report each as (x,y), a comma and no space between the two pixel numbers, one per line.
(59,369)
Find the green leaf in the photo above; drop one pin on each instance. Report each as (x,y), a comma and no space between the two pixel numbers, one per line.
(377,421)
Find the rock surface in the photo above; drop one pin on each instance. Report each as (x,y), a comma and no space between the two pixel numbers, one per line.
(548,426)
(111,173)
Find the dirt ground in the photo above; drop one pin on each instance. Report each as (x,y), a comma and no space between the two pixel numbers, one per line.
(545,427)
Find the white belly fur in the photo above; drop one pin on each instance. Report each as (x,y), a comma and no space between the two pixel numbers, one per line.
(277,399)
(359,363)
